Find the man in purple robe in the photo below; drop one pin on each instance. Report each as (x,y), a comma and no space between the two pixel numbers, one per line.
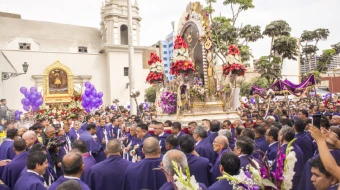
(31,138)
(243,149)
(91,143)
(142,134)
(13,169)
(74,133)
(221,146)
(114,129)
(36,167)
(83,128)
(141,174)
(203,146)
(6,148)
(230,164)
(303,140)
(229,135)
(110,172)
(176,129)
(102,138)
(321,179)
(215,127)
(181,160)
(130,142)
(206,124)
(271,137)
(73,166)
(260,138)
(161,134)
(200,167)
(80,147)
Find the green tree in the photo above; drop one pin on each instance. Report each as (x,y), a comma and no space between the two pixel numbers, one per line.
(286,47)
(316,74)
(336,47)
(269,67)
(246,86)
(311,40)
(325,59)
(150,94)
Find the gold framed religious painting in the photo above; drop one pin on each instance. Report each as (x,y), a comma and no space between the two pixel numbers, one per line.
(57,83)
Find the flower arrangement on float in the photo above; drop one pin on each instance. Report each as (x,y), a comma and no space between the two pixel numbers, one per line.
(198,90)
(181,62)
(234,65)
(156,70)
(168,102)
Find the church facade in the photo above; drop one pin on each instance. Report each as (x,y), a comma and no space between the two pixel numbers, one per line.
(96,55)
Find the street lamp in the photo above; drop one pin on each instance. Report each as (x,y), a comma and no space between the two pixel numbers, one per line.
(8,75)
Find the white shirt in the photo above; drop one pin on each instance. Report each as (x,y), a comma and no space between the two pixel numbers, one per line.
(242,155)
(31,171)
(198,142)
(273,143)
(161,134)
(70,177)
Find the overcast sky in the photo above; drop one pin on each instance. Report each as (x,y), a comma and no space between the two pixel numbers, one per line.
(157,16)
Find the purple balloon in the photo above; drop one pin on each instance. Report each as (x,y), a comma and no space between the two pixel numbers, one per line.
(87,92)
(87,84)
(39,95)
(27,94)
(100,102)
(94,92)
(91,87)
(93,101)
(128,107)
(100,94)
(26,102)
(23,90)
(33,89)
(87,110)
(23,101)
(17,117)
(34,108)
(33,97)
(16,112)
(26,108)
(39,102)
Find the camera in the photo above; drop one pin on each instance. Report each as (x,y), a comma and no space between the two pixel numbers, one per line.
(55,142)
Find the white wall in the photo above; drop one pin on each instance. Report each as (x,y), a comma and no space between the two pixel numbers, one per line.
(291,71)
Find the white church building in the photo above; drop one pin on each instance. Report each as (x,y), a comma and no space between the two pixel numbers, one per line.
(96,55)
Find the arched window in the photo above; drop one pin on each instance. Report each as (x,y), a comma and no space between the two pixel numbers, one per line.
(124,35)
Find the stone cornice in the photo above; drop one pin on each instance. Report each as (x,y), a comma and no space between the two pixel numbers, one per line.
(123,48)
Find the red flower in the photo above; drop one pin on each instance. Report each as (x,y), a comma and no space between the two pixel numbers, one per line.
(233,50)
(180,43)
(154,59)
(154,77)
(234,68)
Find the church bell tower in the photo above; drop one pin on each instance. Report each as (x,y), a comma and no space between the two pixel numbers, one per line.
(114,23)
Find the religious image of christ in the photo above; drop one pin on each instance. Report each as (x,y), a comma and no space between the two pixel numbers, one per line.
(58,82)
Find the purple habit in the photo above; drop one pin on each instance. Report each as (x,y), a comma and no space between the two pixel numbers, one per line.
(201,168)
(101,133)
(162,142)
(6,152)
(204,148)
(73,134)
(91,144)
(221,184)
(4,187)
(262,143)
(30,181)
(170,186)
(180,134)
(107,174)
(140,147)
(142,176)
(305,182)
(245,160)
(62,179)
(216,169)
(212,136)
(13,169)
(89,161)
(304,141)
(272,151)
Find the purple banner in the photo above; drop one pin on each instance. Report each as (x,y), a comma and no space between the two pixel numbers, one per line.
(299,90)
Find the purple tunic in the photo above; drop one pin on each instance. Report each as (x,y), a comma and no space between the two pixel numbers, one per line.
(245,160)
(304,141)
(204,148)
(101,133)
(13,169)
(262,143)
(91,144)
(180,134)
(272,151)
(142,176)
(107,174)
(201,168)
(212,136)
(140,143)
(73,134)
(162,142)
(6,152)
(30,181)
(89,161)
(305,182)
(4,187)
(221,184)
(62,179)
(216,170)
(170,186)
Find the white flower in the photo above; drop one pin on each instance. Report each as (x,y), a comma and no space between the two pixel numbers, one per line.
(231,59)
(289,172)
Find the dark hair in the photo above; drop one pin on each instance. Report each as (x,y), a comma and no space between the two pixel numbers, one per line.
(245,144)
(227,121)
(172,140)
(88,117)
(324,122)
(192,122)
(2,100)
(231,163)
(186,143)
(304,112)
(69,185)
(74,166)
(177,125)
(286,122)
(274,132)
(239,130)
(37,148)
(289,135)
(278,125)
(35,158)
(317,163)
(250,120)
(260,130)
(299,125)
(207,120)
(143,126)
(11,133)
(90,126)
(80,145)
(168,122)
(19,144)
(215,126)
(249,133)
(97,113)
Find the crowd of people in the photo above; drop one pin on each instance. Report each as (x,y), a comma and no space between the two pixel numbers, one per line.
(111,150)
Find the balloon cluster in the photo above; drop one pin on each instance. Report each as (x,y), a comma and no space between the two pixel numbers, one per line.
(33,99)
(17,114)
(91,99)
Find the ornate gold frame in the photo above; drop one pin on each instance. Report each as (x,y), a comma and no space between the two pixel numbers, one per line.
(57,98)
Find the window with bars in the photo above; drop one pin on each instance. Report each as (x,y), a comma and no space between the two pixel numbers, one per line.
(126,71)
(165,65)
(82,49)
(25,46)
(165,58)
